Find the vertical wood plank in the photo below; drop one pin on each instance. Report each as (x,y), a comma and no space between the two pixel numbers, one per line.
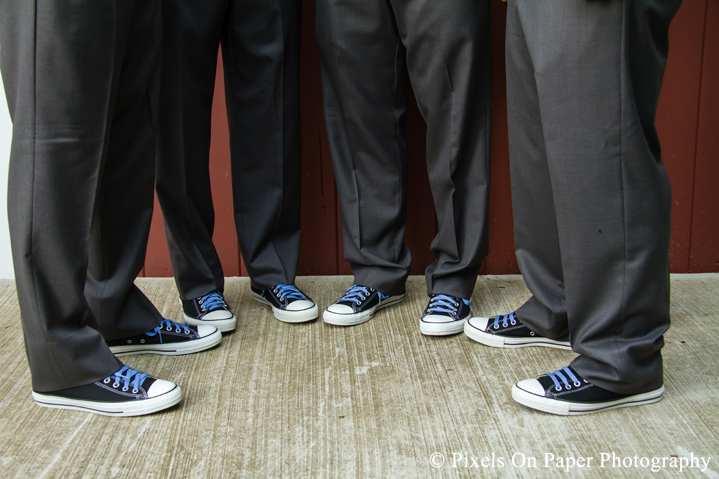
(501,258)
(224,235)
(421,215)
(318,251)
(704,256)
(157,257)
(676,122)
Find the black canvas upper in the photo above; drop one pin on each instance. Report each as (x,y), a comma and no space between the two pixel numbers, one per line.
(280,295)
(167,332)
(583,391)
(201,306)
(113,389)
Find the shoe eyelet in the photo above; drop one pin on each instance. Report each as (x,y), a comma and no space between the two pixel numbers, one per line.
(168,329)
(142,341)
(135,391)
(576,385)
(106,380)
(531,333)
(557,389)
(115,385)
(125,389)
(129,341)
(513,323)
(177,331)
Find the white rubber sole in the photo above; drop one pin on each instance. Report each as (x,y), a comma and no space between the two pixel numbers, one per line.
(358,318)
(170,349)
(224,325)
(566,408)
(138,407)
(300,316)
(497,341)
(441,329)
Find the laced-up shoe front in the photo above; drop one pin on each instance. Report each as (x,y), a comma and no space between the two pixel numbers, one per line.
(566,393)
(169,338)
(209,309)
(444,315)
(127,392)
(507,331)
(358,305)
(288,303)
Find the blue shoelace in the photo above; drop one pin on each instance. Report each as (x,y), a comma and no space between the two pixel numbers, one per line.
(129,377)
(211,301)
(168,325)
(506,318)
(357,294)
(443,303)
(288,291)
(558,374)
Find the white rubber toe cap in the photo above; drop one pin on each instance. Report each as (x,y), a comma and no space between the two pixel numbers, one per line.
(479,323)
(300,305)
(160,387)
(437,318)
(531,386)
(205,330)
(219,314)
(340,309)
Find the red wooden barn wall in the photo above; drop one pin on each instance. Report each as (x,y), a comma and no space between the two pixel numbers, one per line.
(687,119)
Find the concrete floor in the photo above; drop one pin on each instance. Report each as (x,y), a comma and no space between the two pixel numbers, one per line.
(374,400)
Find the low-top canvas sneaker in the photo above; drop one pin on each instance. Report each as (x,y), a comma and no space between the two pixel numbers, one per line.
(128,392)
(209,309)
(357,305)
(444,315)
(289,304)
(507,332)
(169,338)
(566,393)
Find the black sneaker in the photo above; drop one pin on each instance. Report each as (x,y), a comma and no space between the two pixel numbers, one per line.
(209,309)
(127,392)
(444,315)
(508,332)
(357,305)
(169,338)
(288,303)
(565,393)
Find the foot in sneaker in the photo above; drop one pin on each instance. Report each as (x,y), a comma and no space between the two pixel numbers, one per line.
(169,338)
(289,304)
(357,305)
(566,393)
(508,332)
(128,392)
(209,309)
(444,315)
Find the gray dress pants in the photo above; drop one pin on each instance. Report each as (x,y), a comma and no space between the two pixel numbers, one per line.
(367,49)
(590,194)
(79,79)
(260,46)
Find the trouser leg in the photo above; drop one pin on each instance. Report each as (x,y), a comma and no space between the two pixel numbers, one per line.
(364,86)
(449,62)
(598,69)
(261,47)
(535,225)
(191,37)
(63,113)
(124,203)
